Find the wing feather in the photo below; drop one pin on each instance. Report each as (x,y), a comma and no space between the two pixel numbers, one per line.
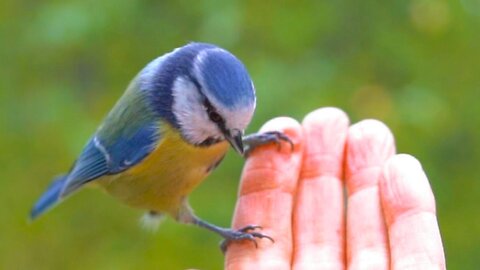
(91,164)
(130,132)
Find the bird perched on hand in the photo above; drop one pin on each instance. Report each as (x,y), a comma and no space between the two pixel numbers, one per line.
(169,130)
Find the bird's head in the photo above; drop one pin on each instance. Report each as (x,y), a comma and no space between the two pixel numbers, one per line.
(215,100)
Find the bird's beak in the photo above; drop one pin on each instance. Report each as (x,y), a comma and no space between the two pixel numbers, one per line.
(235,138)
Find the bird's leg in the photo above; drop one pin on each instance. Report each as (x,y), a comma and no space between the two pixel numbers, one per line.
(230,235)
(248,232)
(255,140)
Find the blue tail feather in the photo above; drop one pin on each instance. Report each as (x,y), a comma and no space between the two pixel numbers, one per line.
(49,198)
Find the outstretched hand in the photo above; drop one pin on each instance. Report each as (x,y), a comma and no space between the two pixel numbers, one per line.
(387,219)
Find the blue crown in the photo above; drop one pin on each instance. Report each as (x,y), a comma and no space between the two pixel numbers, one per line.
(226,78)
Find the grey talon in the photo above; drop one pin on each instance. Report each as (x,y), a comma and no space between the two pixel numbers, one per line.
(243,234)
(252,141)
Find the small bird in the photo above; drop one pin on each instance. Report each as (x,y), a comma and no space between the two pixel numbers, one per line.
(169,130)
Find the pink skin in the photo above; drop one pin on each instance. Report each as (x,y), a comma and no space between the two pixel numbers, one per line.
(298,199)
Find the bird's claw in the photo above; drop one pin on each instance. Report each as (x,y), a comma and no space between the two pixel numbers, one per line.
(279,137)
(243,233)
(255,140)
(249,228)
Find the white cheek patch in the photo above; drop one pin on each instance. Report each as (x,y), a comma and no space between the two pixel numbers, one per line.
(189,110)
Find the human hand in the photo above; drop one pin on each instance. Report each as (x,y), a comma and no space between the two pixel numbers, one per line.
(386,221)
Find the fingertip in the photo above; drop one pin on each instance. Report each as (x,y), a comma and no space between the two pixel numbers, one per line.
(325,115)
(325,120)
(404,187)
(325,131)
(287,126)
(401,162)
(279,123)
(370,142)
(325,128)
(370,128)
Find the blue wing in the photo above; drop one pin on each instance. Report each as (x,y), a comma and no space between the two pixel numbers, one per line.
(129,133)
(97,160)
(102,158)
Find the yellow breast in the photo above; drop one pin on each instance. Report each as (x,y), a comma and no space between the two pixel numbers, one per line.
(164,178)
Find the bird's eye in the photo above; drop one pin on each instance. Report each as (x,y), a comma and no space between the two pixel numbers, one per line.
(215,117)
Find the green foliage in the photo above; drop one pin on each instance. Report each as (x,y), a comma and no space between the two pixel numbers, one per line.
(412,64)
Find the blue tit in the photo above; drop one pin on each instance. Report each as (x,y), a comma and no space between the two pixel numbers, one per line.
(169,130)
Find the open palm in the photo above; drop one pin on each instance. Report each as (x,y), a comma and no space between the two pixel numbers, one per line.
(385,220)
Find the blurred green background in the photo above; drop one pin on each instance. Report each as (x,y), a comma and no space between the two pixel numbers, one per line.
(413,64)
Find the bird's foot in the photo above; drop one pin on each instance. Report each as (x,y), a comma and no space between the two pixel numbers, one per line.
(229,235)
(255,140)
(245,233)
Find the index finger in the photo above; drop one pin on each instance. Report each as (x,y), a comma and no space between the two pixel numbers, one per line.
(266,198)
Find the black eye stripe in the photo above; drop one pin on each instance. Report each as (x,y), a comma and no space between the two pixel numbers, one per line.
(207,105)
(212,113)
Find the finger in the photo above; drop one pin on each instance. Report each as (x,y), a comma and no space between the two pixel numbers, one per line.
(318,223)
(369,144)
(409,207)
(266,197)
